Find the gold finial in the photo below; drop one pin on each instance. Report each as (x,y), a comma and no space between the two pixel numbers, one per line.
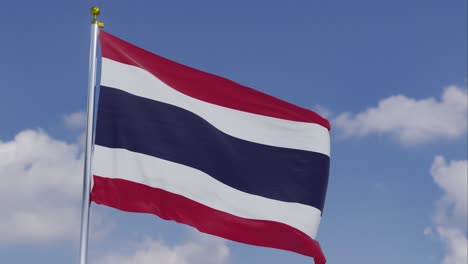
(95,11)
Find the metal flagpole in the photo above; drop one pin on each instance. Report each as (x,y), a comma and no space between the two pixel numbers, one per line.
(89,135)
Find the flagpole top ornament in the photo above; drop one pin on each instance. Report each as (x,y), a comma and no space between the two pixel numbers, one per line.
(95,11)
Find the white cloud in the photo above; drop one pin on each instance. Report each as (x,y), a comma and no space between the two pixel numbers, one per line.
(202,250)
(456,245)
(450,216)
(41,188)
(452,178)
(75,120)
(410,120)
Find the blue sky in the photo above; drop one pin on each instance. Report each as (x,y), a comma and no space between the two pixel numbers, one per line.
(390,75)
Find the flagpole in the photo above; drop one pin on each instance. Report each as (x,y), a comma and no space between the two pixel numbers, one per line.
(95,24)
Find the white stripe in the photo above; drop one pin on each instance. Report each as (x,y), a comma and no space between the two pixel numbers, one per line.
(202,188)
(252,127)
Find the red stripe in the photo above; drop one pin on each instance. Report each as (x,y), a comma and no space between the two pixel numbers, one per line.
(135,197)
(204,86)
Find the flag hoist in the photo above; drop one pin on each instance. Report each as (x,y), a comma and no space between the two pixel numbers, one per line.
(95,25)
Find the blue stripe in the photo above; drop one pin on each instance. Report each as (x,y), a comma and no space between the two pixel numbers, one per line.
(175,134)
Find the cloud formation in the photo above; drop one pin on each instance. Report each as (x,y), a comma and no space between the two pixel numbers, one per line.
(41,188)
(410,120)
(202,250)
(450,216)
(76,120)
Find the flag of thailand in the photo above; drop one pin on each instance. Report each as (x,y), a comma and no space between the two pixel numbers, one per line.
(205,151)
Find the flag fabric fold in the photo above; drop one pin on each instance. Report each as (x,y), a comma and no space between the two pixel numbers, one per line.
(205,151)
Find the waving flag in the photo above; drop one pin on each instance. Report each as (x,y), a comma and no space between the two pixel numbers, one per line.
(204,151)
